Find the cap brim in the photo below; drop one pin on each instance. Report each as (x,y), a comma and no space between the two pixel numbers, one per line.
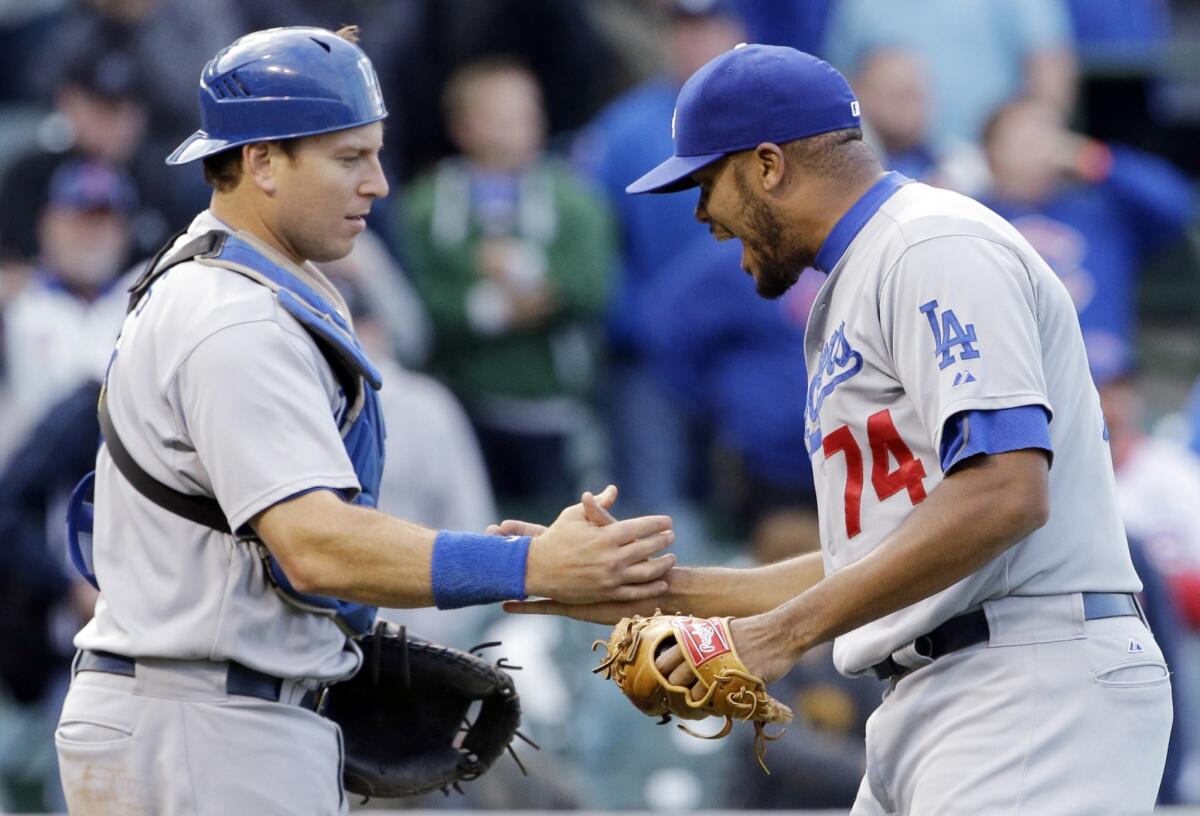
(673,175)
(197,146)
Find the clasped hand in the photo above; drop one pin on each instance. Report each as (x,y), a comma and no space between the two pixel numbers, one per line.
(587,556)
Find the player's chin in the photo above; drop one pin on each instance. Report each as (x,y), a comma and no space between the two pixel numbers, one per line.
(772,284)
(333,248)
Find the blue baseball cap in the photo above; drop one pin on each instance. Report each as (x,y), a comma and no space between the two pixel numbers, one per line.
(747,96)
(83,184)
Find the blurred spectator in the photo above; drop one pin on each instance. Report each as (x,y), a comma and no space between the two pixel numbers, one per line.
(1193,418)
(433,471)
(892,86)
(42,601)
(1131,90)
(434,475)
(168,42)
(820,759)
(1164,621)
(786,22)
(395,312)
(59,331)
(99,113)
(736,361)
(1158,486)
(650,437)
(24,25)
(978,54)
(1124,33)
(511,255)
(1093,211)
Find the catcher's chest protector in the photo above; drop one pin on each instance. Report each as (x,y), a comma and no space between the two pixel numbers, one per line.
(360,423)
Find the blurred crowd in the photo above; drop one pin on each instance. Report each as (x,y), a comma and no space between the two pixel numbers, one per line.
(540,332)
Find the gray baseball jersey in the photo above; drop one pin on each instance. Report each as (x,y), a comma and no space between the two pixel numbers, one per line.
(934,306)
(214,389)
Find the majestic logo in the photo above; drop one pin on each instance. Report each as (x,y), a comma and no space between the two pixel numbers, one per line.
(704,639)
(838,363)
(854,109)
(949,333)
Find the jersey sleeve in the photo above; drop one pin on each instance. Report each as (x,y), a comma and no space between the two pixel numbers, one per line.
(257,408)
(959,317)
(974,433)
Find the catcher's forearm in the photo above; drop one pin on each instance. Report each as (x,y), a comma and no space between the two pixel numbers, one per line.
(725,591)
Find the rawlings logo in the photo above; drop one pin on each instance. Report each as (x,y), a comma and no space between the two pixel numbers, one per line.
(704,639)
(838,362)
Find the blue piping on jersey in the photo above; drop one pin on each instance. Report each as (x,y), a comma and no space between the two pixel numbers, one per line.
(850,224)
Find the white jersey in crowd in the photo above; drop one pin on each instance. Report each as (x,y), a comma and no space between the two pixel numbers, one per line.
(935,307)
(54,340)
(170,588)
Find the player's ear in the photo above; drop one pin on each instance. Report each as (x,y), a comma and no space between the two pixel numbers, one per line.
(257,164)
(769,166)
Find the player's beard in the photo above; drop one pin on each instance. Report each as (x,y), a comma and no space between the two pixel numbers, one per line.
(778,266)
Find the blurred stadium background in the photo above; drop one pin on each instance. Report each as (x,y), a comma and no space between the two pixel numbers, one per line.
(540,332)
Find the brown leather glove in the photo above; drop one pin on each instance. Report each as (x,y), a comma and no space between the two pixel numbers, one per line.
(730,691)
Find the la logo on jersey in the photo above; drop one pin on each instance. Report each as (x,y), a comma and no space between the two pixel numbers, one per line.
(948,332)
(838,363)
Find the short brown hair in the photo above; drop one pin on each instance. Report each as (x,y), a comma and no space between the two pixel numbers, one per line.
(223,171)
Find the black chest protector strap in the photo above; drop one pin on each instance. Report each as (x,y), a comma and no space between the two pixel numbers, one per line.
(196,508)
(200,509)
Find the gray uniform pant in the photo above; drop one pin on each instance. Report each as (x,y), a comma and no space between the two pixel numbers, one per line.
(171,741)
(1054,715)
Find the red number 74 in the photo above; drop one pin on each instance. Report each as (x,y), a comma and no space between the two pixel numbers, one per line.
(883,439)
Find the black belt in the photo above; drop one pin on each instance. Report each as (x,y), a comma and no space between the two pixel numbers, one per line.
(971,628)
(240,680)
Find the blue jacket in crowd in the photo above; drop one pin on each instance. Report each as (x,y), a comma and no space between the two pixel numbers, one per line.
(1096,237)
(736,359)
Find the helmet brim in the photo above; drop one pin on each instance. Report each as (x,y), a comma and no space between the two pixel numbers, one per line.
(197,146)
(200,144)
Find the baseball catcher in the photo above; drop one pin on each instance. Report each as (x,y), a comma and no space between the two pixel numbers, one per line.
(724,687)
(404,716)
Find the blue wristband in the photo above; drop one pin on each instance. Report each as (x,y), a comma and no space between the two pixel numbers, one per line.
(470,569)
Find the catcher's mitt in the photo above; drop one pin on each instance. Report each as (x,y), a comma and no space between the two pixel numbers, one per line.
(404,715)
(730,691)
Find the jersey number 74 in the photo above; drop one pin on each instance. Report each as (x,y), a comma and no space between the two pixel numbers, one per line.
(883,439)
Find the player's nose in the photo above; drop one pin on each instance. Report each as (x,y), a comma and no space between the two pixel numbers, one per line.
(375,185)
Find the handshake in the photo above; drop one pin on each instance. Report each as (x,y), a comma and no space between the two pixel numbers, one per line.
(587,557)
(592,567)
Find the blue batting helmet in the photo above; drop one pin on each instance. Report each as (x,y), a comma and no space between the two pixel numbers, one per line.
(280,84)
